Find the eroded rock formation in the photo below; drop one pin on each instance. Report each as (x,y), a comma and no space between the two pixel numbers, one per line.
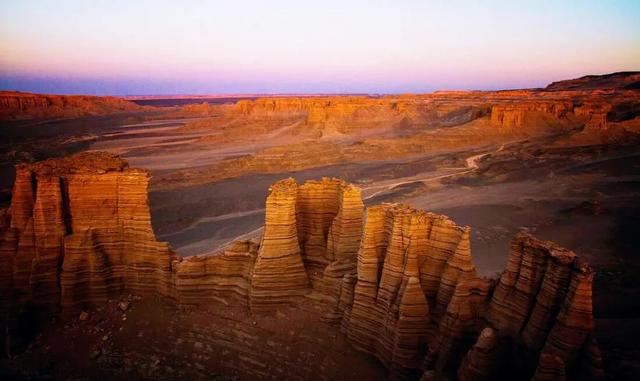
(225,277)
(279,273)
(19,105)
(408,265)
(402,287)
(80,233)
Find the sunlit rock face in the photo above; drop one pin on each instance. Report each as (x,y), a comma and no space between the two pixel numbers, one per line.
(80,233)
(399,282)
(18,105)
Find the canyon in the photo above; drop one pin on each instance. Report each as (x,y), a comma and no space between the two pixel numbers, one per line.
(415,236)
(15,105)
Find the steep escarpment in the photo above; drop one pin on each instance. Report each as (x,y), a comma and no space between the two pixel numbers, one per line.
(399,282)
(17,105)
(311,237)
(540,312)
(292,134)
(408,264)
(543,301)
(279,273)
(80,233)
(619,80)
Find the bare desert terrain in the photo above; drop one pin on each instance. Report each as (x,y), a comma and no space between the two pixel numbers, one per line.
(561,163)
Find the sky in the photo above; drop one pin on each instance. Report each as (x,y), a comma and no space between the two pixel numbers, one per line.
(252,46)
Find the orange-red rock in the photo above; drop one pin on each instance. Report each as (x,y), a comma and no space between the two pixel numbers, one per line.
(224,277)
(80,234)
(86,235)
(481,361)
(19,105)
(401,265)
(279,274)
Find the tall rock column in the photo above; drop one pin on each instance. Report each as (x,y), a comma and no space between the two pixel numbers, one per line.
(279,274)
(49,229)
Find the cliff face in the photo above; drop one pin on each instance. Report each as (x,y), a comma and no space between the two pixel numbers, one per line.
(540,310)
(408,264)
(619,80)
(225,277)
(516,114)
(279,273)
(416,288)
(401,285)
(18,105)
(80,233)
(344,115)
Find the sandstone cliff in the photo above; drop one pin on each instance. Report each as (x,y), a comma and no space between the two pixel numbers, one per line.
(292,134)
(279,273)
(619,80)
(80,233)
(401,282)
(18,105)
(408,265)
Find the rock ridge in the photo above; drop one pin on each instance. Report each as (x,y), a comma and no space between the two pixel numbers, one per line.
(400,282)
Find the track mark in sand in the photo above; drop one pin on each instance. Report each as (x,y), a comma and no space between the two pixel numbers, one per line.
(221,217)
(471,163)
(229,242)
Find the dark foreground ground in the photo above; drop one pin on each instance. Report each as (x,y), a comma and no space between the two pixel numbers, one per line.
(135,338)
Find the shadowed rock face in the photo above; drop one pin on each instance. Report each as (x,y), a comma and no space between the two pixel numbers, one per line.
(619,80)
(401,283)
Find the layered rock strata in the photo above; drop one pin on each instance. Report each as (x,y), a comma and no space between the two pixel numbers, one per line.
(540,312)
(314,231)
(279,273)
(409,262)
(434,308)
(225,277)
(80,233)
(329,219)
(479,363)
(402,286)
(19,105)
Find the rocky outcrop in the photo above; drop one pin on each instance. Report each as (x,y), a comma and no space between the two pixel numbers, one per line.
(515,114)
(224,277)
(80,233)
(542,304)
(480,363)
(279,274)
(619,80)
(314,231)
(18,105)
(329,216)
(416,288)
(462,321)
(596,114)
(407,263)
(402,287)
